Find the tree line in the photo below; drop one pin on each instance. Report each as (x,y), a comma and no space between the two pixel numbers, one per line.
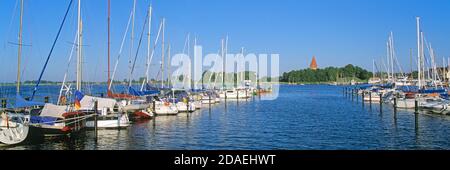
(329,74)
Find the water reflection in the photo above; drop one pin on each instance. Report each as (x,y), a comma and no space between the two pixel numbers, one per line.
(303,117)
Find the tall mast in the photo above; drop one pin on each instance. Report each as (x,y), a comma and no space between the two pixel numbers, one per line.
(162,52)
(168,66)
(387,57)
(243,73)
(224,59)
(132,42)
(109,44)
(19,54)
(148,43)
(79,48)
(391,47)
(419,53)
(223,64)
(411,60)
(373,69)
(422,58)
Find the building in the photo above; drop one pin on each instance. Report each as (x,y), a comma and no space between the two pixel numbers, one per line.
(313,65)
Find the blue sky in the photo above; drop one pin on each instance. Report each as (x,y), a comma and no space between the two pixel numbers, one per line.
(336,32)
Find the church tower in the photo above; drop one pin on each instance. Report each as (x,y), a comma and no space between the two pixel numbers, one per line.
(313,65)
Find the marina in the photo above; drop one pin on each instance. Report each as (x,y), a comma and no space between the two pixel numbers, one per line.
(139,80)
(257,124)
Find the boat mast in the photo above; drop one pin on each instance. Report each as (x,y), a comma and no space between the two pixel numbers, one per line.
(391,47)
(109,44)
(411,61)
(78,88)
(373,69)
(148,44)
(422,59)
(168,66)
(242,75)
(19,54)
(162,52)
(223,64)
(388,65)
(132,43)
(418,53)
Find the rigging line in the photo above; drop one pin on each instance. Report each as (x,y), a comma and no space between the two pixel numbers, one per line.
(154,47)
(120,50)
(51,50)
(138,48)
(11,20)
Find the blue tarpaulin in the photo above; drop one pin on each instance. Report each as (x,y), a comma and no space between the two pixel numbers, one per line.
(22,103)
(134,92)
(43,120)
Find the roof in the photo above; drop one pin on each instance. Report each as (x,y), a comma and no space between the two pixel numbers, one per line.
(313,64)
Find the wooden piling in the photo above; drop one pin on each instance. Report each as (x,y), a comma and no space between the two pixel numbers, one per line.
(363,95)
(381,102)
(96,120)
(345,91)
(209,103)
(154,106)
(246,95)
(187,105)
(357,95)
(46,99)
(237,98)
(370,98)
(352,93)
(416,106)
(395,101)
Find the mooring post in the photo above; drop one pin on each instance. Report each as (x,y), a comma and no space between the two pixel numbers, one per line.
(395,101)
(209,103)
(96,120)
(154,106)
(46,99)
(187,105)
(370,98)
(352,93)
(381,102)
(357,95)
(246,95)
(363,96)
(101,95)
(416,106)
(237,91)
(3,103)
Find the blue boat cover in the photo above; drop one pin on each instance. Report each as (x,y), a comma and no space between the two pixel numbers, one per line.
(427,91)
(134,92)
(21,102)
(43,120)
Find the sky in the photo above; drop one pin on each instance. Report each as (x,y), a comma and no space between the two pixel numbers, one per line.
(337,32)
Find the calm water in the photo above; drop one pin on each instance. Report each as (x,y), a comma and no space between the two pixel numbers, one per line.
(303,117)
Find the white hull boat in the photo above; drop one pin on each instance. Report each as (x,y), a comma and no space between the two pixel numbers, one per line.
(163,108)
(13,128)
(183,107)
(110,122)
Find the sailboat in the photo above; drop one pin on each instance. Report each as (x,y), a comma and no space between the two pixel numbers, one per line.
(14,126)
(61,119)
(111,113)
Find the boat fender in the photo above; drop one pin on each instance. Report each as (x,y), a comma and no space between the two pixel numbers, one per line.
(66,129)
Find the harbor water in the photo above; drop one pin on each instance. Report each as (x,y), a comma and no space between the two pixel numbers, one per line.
(310,117)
